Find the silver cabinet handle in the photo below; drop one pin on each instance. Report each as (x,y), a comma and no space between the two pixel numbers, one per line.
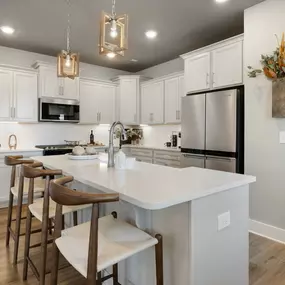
(100,116)
(194,156)
(176,115)
(179,116)
(207,79)
(135,117)
(213,78)
(97,117)
(11,112)
(14,113)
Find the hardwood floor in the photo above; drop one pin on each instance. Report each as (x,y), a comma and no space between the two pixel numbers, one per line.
(267,261)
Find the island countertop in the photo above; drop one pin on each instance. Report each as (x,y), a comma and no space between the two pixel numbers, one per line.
(146,185)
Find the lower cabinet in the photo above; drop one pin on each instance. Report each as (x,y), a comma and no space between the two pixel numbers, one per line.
(160,157)
(5,173)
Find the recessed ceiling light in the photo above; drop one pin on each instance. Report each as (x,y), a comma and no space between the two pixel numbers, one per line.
(151,34)
(134,60)
(221,1)
(7,30)
(111,55)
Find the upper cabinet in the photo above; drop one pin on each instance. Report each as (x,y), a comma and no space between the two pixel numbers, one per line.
(97,102)
(214,67)
(128,99)
(227,65)
(173,91)
(18,93)
(197,71)
(52,86)
(152,102)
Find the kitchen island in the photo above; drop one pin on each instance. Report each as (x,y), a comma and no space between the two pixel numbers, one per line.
(184,205)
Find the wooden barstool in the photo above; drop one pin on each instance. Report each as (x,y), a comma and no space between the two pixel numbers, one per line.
(44,210)
(93,246)
(18,189)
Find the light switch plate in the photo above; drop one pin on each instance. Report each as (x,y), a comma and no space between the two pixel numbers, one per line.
(224,220)
(282,137)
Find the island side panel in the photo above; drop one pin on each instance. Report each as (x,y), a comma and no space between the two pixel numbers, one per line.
(220,257)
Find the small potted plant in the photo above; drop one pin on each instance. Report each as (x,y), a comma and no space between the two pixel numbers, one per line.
(273,67)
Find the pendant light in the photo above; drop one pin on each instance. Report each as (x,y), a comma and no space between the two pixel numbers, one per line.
(67,61)
(113,33)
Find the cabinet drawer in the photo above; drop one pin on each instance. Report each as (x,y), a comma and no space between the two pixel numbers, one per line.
(142,152)
(165,162)
(143,159)
(167,155)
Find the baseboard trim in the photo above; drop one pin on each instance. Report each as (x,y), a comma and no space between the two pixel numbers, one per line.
(267,231)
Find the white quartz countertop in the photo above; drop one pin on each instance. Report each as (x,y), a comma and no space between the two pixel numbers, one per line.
(147,185)
(152,147)
(19,150)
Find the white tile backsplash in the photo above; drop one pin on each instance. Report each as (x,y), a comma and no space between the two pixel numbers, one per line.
(30,135)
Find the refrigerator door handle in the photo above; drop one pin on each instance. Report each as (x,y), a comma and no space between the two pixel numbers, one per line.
(220,158)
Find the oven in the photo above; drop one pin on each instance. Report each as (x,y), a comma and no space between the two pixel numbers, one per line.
(58,110)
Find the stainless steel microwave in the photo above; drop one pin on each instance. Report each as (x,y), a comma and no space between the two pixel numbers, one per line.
(58,110)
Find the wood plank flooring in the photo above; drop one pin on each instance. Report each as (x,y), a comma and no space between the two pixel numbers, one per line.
(267,262)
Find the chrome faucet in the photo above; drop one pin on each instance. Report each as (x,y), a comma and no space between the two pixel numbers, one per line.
(111,161)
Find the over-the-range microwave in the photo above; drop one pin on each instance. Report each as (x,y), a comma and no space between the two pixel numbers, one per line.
(58,110)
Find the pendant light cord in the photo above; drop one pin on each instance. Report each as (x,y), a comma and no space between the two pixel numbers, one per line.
(113,9)
(68,27)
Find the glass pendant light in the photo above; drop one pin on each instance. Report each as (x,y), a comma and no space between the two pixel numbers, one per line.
(67,61)
(113,33)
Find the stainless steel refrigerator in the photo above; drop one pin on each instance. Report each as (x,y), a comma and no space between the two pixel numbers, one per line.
(212,130)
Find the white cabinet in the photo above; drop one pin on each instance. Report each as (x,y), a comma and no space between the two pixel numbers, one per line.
(18,93)
(227,65)
(52,86)
(152,103)
(6,94)
(5,173)
(25,96)
(97,102)
(128,101)
(173,91)
(197,72)
(216,66)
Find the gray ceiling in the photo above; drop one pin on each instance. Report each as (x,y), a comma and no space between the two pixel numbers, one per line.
(183,25)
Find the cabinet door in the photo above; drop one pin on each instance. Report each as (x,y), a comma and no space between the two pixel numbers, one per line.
(152,100)
(25,96)
(171,93)
(181,94)
(197,73)
(49,83)
(5,173)
(71,88)
(6,93)
(89,102)
(128,101)
(227,65)
(106,95)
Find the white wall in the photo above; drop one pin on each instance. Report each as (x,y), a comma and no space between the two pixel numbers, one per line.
(165,68)
(29,135)
(26,59)
(158,135)
(265,157)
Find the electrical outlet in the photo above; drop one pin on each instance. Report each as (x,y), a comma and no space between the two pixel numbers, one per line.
(224,220)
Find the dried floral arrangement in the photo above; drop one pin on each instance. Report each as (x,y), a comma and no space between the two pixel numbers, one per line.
(132,134)
(273,65)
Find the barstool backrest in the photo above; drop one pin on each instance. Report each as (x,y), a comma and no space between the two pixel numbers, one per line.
(63,195)
(32,171)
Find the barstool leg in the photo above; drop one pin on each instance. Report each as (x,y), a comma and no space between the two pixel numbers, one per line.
(9,221)
(75,219)
(54,269)
(27,244)
(159,260)
(44,237)
(18,219)
(99,278)
(115,274)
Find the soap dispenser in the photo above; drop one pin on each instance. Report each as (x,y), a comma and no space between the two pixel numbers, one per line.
(120,160)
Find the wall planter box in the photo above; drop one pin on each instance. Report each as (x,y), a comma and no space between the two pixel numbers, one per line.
(278,98)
